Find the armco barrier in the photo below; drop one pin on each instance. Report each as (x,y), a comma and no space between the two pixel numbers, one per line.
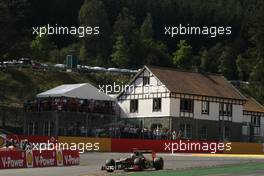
(127,145)
(88,143)
(245,148)
(28,159)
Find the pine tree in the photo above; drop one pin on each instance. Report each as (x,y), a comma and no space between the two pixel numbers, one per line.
(205,62)
(92,14)
(146,29)
(41,48)
(182,57)
(228,64)
(125,26)
(121,53)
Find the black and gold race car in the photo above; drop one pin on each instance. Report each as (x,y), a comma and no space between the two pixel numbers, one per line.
(135,162)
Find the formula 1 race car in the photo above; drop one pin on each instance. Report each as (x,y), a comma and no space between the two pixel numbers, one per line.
(135,162)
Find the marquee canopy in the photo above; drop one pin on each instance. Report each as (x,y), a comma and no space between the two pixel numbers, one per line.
(80,91)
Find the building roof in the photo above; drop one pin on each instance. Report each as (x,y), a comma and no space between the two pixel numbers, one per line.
(195,83)
(252,105)
(81,91)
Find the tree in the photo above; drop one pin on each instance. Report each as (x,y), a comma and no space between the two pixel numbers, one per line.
(13,42)
(59,55)
(155,53)
(41,48)
(125,26)
(146,29)
(214,54)
(245,63)
(257,80)
(228,64)
(182,57)
(121,52)
(258,34)
(92,14)
(6,27)
(205,62)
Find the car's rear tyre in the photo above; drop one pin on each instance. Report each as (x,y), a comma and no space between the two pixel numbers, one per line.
(139,163)
(110,162)
(158,163)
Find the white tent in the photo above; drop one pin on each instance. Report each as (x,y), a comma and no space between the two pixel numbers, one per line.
(80,91)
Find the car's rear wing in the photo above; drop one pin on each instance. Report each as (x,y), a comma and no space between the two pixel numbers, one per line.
(142,151)
(153,153)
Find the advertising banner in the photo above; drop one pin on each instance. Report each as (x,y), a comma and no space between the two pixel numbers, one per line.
(31,159)
(169,146)
(45,158)
(12,159)
(70,157)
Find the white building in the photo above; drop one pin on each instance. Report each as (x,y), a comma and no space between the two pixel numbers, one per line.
(198,105)
(253,113)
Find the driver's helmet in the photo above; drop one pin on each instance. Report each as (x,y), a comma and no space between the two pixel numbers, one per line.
(133,156)
(137,153)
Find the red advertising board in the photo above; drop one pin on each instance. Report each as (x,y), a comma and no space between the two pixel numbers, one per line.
(12,159)
(167,146)
(71,157)
(44,158)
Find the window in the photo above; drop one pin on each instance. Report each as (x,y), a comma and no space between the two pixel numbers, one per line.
(145,80)
(133,106)
(255,120)
(157,104)
(227,132)
(225,109)
(204,132)
(205,107)
(186,131)
(186,105)
(256,131)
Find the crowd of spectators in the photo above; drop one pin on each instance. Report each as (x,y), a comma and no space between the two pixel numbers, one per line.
(125,132)
(17,145)
(69,104)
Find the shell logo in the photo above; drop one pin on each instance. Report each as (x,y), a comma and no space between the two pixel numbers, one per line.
(59,157)
(29,158)
(2,141)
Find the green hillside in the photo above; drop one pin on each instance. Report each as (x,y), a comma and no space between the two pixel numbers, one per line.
(18,86)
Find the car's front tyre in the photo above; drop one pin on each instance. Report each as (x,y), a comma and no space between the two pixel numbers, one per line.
(158,163)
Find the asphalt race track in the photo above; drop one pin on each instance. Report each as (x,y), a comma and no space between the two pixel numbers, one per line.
(91,164)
